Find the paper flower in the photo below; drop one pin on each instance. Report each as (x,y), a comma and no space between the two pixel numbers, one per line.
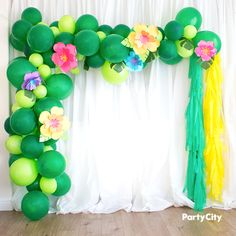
(205,50)
(31,81)
(143,39)
(65,56)
(134,62)
(54,124)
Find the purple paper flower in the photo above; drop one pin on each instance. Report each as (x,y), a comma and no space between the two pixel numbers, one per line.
(31,81)
(134,62)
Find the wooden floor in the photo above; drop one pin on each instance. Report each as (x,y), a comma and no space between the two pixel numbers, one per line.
(167,222)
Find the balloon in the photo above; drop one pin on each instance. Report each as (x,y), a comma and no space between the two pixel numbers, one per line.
(31,15)
(87,42)
(95,61)
(107,29)
(101,35)
(40,38)
(167,49)
(40,91)
(174,30)
(20,29)
(162,33)
(23,171)
(31,147)
(25,98)
(51,164)
(122,30)
(55,31)
(63,185)
(13,144)
(36,59)
(35,205)
(27,50)
(47,58)
(208,36)
(112,76)
(47,148)
(67,24)
(172,61)
(65,38)
(13,157)
(35,185)
(189,16)
(16,43)
(46,104)
(17,69)
(44,71)
(112,50)
(15,107)
(190,31)
(183,52)
(54,23)
(48,186)
(23,121)
(7,126)
(86,22)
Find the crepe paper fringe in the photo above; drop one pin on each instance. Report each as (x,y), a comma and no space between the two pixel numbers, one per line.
(214,129)
(195,140)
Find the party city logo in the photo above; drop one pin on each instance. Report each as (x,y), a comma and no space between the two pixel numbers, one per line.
(201,217)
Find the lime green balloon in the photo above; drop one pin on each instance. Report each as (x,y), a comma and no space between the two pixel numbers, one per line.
(63,185)
(59,86)
(47,185)
(67,24)
(122,30)
(95,61)
(86,22)
(75,71)
(171,61)
(15,107)
(35,185)
(23,171)
(25,98)
(31,147)
(101,35)
(55,31)
(23,121)
(36,59)
(44,71)
(161,34)
(20,29)
(174,30)
(47,59)
(13,144)
(51,164)
(112,50)
(7,126)
(189,16)
(32,15)
(47,148)
(112,76)
(183,52)
(107,29)
(35,205)
(65,37)
(167,49)
(40,38)
(16,43)
(17,69)
(208,36)
(40,91)
(190,31)
(87,42)
(13,157)
(45,104)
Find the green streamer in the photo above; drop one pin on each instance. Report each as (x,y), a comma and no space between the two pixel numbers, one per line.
(195,138)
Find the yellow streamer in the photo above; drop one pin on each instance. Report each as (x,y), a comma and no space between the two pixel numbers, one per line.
(214,129)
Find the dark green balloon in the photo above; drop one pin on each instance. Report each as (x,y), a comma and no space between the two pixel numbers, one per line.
(23,121)
(17,69)
(35,185)
(20,30)
(47,59)
(65,38)
(172,61)
(86,21)
(87,42)
(112,50)
(40,38)
(63,185)
(13,157)
(59,86)
(7,126)
(107,29)
(32,15)
(174,30)
(208,36)
(17,44)
(45,104)
(95,61)
(35,205)
(51,164)
(31,147)
(167,49)
(54,23)
(122,30)
(189,16)
(28,51)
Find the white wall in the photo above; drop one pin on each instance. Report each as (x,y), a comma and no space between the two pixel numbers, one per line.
(5,186)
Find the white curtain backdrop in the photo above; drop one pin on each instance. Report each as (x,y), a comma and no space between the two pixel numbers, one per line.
(126,146)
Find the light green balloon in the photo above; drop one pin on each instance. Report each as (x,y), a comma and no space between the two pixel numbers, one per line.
(47,148)
(183,52)
(101,35)
(15,107)
(13,144)
(44,71)
(40,91)
(36,59)
(47,185)
(23,171)
(190,31)
(55,30)
(67,24)
(25,98)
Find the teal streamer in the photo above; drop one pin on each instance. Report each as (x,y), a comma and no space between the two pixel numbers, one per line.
(195,138)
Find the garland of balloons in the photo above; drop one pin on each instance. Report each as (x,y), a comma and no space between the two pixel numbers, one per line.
(42,79)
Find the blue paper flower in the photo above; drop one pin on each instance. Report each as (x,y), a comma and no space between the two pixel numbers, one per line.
(134,62)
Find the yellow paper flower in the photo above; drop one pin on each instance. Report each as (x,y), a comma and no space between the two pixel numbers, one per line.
(143,39)
(54,124)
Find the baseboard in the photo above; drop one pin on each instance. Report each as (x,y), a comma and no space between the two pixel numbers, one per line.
(5,205)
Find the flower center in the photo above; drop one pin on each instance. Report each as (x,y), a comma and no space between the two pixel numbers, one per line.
(54,123)
(206,51)
(144,38)
(63,57)
(134,60)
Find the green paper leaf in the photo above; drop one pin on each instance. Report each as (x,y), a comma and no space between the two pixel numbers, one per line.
(29,95)
(118,67)
(126,43)
(86,66)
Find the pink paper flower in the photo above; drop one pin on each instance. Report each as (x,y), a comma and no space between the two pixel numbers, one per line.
(205,50)
(65,56)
